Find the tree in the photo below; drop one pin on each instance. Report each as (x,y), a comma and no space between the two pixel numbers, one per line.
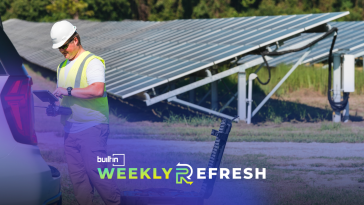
(61,9)
(5,6)
(247,3)
(162,10)
(213,9)
(30,10)
(111,10)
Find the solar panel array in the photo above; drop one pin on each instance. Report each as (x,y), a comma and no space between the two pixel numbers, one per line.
(350,40)
(142,55)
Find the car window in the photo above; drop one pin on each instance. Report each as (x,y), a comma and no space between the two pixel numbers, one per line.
(2,70)
(9,57)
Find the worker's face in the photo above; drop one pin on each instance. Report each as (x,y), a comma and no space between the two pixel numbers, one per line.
(70,51)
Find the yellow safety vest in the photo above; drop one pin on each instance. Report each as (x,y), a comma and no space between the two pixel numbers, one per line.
(83,110)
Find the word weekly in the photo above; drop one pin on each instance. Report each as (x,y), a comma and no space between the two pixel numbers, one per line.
(163,173)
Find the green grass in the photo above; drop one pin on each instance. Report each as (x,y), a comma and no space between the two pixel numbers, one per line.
(330,126)
(191,121)
(303,77)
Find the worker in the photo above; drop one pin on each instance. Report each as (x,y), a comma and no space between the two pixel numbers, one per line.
(81,85)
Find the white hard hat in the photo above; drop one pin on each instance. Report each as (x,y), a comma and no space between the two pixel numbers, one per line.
(61,31)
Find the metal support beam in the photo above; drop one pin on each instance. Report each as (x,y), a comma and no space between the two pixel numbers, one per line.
(337,84)
(242,96)
(192,92)
(214,98)
(147,97)
(282,80)
(204,97)
(208,74)
(197,107)
(207,80)
(165,89)
(228,102)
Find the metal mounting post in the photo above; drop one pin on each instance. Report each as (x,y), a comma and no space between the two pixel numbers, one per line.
(250,97)
(236,94)
(337,85)
(242,96)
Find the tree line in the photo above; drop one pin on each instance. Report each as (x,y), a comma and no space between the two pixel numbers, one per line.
(160,10)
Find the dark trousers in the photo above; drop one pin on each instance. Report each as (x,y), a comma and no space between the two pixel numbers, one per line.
(81,150)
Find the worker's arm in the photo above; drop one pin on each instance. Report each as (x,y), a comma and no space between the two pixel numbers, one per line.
(94,90)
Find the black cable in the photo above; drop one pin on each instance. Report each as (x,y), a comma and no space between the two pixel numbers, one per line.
(277,53)
(336,106)
(266,63)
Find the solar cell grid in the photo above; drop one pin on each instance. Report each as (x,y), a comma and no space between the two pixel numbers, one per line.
(349,38)
(177,66)
(119,81)
(142,85)
(139,53)
(172,74)
(132,84)
(160,67)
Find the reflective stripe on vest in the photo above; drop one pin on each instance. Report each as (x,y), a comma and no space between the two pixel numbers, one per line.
(79,72)
(83,110)
(59,67)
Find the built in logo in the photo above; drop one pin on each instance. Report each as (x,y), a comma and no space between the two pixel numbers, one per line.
(117,160)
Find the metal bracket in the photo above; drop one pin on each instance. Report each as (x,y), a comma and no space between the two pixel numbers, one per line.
(197,107)
(282,81)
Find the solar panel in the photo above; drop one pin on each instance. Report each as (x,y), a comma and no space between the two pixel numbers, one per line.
(141,55)
(349,40)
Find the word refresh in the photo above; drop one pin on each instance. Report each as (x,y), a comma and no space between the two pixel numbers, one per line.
(146,173)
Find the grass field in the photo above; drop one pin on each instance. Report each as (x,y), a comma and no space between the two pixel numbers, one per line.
(313,77)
